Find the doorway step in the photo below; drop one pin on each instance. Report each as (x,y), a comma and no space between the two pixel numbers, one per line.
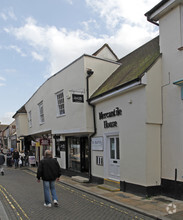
(110,185)
(80,179)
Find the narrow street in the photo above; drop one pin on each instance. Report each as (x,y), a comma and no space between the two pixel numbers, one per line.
(22,198)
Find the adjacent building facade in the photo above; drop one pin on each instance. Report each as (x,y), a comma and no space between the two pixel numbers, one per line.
(117,119)
(58,116)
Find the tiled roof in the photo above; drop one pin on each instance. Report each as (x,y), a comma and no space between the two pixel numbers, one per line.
(133,66)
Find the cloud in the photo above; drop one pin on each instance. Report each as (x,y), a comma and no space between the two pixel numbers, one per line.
(117,12)
(17,49)
(59,46)
(8,14)
(2,78)
(37,56)
(10,70)
(87,24)
(7,118)
(3,16)
(70,2)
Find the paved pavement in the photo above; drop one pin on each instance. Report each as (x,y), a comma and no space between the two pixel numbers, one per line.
(159,206)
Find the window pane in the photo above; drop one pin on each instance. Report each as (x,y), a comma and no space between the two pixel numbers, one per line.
(112,148)
(60,103)
(41,112)
(117,149)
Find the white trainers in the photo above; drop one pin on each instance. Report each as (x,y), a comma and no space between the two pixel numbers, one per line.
(47,205)
(55,202)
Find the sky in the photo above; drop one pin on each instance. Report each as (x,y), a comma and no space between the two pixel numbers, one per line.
(40,37)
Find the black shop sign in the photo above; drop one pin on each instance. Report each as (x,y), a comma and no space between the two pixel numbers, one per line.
(78,98)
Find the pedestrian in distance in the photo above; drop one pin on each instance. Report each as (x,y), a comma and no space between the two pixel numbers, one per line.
(9,158)
(2,160)
(49,171)
(15,156)
(22,158)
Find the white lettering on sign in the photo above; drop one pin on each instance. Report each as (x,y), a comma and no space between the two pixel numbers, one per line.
(45,142)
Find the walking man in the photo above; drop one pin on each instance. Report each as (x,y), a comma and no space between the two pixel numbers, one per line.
(49,171)
(15,156)
(2,160)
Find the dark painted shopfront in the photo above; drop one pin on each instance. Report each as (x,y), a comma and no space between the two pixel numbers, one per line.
(77,153)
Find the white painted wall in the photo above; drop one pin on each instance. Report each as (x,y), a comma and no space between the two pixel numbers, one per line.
(131,129)
(21,125)
(171,36)
(78,116)
(106,54)
(139,130)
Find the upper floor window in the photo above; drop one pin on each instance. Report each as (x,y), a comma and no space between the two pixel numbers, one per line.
(30,119)
(60,103)
(41,112)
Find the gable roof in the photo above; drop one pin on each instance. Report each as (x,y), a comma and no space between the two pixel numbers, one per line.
(21,110)
(133,66)
(105,46)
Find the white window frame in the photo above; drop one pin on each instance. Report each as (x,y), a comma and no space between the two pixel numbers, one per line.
(41,113)
(30,119)
(60,103)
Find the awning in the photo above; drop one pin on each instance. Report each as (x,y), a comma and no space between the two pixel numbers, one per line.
(180,83)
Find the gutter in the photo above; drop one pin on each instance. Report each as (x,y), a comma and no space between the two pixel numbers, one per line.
(89,74)
(152,21)
(117,90)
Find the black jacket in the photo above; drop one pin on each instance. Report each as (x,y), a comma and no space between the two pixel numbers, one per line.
(15,155)
(2,159)
(48,169)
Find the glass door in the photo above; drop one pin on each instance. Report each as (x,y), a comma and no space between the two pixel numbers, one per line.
(74,159)
(114,157)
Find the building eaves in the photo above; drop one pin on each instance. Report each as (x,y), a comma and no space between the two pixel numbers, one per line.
(133,67)
(155,8)
(21,110)
(161,9)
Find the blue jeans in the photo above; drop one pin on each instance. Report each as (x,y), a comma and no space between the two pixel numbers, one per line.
(49,186)
(16,163)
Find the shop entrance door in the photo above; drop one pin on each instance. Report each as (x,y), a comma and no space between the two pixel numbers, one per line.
(114,157)
(78,153)
(84,154)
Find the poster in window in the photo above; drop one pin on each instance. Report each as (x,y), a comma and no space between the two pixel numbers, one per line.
(59,146)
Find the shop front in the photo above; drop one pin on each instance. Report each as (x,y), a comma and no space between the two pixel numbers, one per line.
(73,153)
(77,154)
(38,148)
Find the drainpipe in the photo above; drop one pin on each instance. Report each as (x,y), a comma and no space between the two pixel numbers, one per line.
(90,73)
